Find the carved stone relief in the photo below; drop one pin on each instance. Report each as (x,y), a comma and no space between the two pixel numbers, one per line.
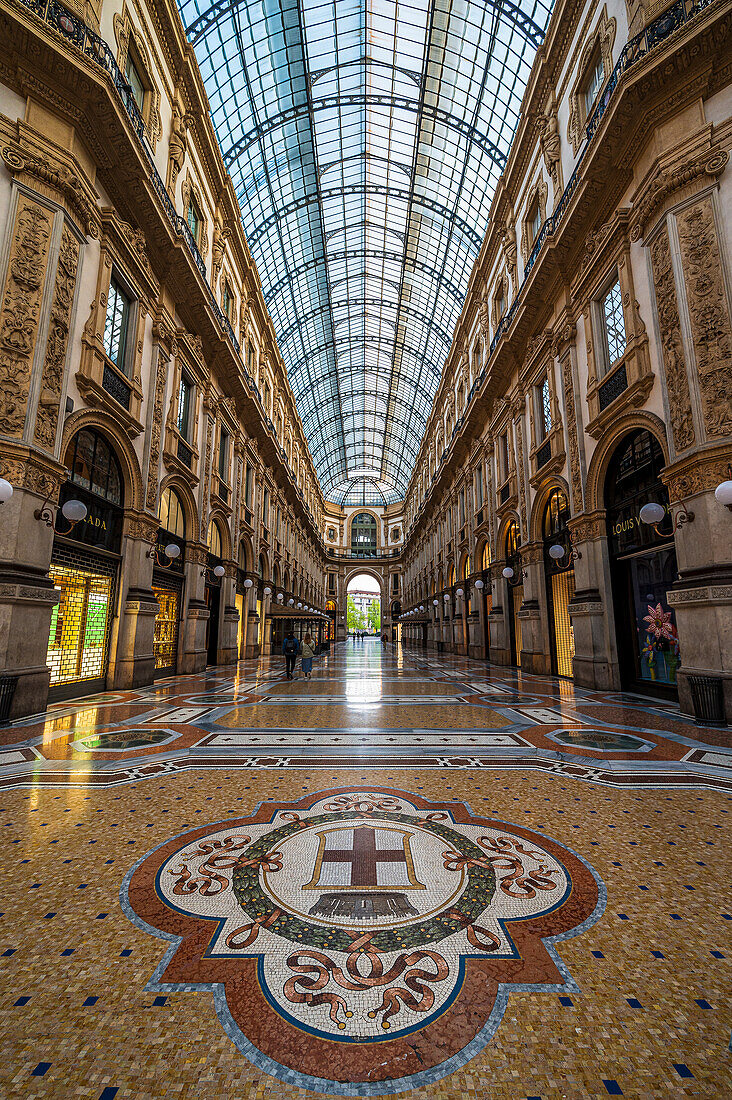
(708,313)
(20,310)
(574,455)
(674,360)
(58,338)
(151,495)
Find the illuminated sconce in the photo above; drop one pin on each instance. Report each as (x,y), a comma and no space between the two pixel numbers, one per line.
(508,573)
(459,593)
(421,607)
(73,511)
(435,602)
(723,492)
(290,602)
(653,514)
(557,552)
(446,597)
(479,584)
(280,597)
(267,592)
(219,571)
(6,491)
(171,551)
(248,583)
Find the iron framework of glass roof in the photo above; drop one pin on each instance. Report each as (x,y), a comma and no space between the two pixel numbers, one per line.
(365,139)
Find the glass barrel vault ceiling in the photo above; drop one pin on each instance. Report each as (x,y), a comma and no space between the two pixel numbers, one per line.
(365,139)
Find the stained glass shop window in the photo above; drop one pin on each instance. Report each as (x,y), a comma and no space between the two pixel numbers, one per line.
(93,466)
(116,324)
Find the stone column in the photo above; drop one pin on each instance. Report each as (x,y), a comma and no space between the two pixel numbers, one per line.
(228,650)
(37,309)
(193,649)
(131,657)
(534,642)
(591,610)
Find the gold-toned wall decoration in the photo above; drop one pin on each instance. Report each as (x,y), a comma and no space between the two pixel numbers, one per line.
(708,313)
(674,360)
(57,342)
(20,310)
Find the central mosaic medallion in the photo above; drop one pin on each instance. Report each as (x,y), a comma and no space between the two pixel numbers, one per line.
(361,942)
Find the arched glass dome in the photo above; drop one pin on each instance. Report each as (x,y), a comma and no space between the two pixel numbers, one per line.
(365,140)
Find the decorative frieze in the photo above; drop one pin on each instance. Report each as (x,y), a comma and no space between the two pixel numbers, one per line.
(20,310)
(674,360)
(709,314)
(57,341)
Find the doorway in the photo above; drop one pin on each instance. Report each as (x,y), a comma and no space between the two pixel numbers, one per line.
(363,606)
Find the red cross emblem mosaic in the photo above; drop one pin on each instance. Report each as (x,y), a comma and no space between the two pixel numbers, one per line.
(361,942)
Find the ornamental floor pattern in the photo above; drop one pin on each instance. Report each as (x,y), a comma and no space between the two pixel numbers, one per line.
(599,821)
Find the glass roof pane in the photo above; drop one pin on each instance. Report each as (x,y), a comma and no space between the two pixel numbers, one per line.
(365,139)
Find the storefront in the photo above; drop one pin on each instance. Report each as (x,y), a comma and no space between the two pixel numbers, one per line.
(515,587)
(85,569)
(643,567)
(559,575)
(486,595)
(167,583)
(331,611)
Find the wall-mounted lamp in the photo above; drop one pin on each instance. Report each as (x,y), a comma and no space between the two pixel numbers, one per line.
(557,552)
(435,602)
(218,571)
(280,597)
(446,597)
(6,491)
(421,607)
(171,551)
(509,574)
(723,492)
(248,583)
(479,584)
(653,514)
(290,602)
(267,592)
(73,511)
(459,593)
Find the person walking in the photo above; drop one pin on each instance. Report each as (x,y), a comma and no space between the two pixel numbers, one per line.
(308,652)
(385,639)
(290,648)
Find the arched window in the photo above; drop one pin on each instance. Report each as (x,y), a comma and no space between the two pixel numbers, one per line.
(513,540)
(556,514)
(243,556)
(94,466)
(171,515)
(363,535)
(214,540)
(486,557)
(466,567)
(262,568)
(451,576)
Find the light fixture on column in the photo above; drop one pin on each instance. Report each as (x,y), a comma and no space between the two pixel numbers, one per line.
(421,607)
(280,597)
(653,514)
(508,573)
(435,602)
(723,492)
(248,583)
(290,602)
(171,551)
(73,511)
(479,584)
(267,592)
(459,593)
(557,552)
(219,571)
(446,597)
(6,491)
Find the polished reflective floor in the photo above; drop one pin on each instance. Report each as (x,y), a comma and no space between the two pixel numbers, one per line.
(410,875)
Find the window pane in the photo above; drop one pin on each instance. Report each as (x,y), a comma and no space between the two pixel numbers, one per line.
(116,324)
(546,407)
(135,82)
(612,308)
(184,407)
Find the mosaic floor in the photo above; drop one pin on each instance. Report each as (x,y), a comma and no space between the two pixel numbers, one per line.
(409,876)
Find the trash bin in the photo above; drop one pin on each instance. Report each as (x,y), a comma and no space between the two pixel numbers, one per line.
(8,685)
(707,697)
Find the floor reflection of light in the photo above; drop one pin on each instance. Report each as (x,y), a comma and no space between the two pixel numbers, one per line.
(363,691)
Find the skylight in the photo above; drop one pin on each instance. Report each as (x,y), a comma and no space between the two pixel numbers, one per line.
(365,140)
